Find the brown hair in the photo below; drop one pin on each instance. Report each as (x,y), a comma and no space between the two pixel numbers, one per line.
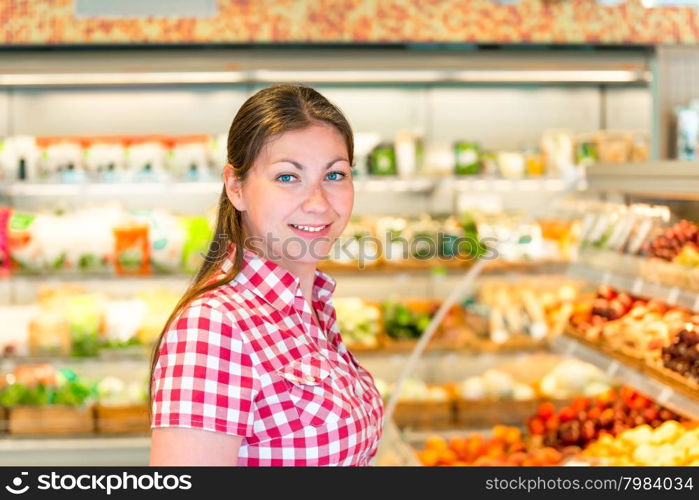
(268,113)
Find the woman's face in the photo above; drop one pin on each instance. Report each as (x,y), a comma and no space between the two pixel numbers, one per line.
(298,195)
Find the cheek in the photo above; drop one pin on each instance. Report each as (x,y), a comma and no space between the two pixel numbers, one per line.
(268,207)
(343,202)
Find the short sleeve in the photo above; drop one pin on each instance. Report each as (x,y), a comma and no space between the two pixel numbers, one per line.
(204,378)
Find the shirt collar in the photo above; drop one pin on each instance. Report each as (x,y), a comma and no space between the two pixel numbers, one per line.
(274,284)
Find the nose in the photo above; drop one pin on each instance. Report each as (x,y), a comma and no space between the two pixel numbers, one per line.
(316,201)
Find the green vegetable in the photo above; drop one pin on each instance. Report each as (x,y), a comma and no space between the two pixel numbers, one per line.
(402,323)
(12,395)
(72,394)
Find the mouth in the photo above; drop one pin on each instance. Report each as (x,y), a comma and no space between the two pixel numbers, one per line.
(310,228)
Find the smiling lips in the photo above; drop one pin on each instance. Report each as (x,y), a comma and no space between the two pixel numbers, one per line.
(310,229)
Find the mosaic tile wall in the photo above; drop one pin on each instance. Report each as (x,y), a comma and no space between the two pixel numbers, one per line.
(32,22)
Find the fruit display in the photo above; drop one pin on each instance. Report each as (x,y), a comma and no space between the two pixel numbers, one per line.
(72,322)
(669,444)
(107,240)
(662,339)
(507,394)
(682,355)
(634,326)
(505,447)
(586,419)
(676,243)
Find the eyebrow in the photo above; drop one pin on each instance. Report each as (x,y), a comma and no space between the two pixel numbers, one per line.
(300,167)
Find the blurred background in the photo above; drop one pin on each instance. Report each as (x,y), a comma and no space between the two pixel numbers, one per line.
(558,137)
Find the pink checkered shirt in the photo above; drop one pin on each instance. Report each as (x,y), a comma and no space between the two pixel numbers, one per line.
(248,359)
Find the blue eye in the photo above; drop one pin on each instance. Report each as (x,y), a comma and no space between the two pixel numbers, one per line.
(335,174)
(285,178)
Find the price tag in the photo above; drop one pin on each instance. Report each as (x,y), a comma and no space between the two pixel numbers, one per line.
(673,295)
(638,287)
(612,369)
(664,395)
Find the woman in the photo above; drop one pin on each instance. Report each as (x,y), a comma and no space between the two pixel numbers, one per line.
(251,368)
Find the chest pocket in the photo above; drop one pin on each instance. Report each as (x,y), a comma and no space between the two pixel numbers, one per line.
(316,396)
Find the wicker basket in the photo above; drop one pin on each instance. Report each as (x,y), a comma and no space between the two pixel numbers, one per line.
(132,419)
(3,420)
(51,420)
(487,413)
(424,414)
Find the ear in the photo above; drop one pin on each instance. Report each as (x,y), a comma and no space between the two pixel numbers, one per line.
(234,188)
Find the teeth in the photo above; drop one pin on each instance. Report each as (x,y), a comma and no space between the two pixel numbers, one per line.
(309,228)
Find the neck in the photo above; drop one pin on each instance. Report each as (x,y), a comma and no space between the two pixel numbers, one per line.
(305,272)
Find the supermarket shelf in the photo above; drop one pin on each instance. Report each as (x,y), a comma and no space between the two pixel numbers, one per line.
(661,179)
(394,184)
(493,185)
(75,451)
(681,399)
(635,285)
(370,183)
(449,267)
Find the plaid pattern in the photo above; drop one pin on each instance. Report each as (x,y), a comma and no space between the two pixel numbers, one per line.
(248,359)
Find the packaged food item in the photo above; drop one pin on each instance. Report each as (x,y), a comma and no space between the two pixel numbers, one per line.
(364,143)
(188,159)
(687,131)
(123,320)
(394,235)
(146,161)
(382,160)
(558,149)
(5,213)
(33,242)
(511,165)
(49,333)
(535,162)
(467,158)
(640,147)
(408,151)
(166,236)
(85,314)
(614,147)
(63,161)
(217,153)
(586,153)
(106,161)
(198,235)
(132,249)
(159,304)
(19,158)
